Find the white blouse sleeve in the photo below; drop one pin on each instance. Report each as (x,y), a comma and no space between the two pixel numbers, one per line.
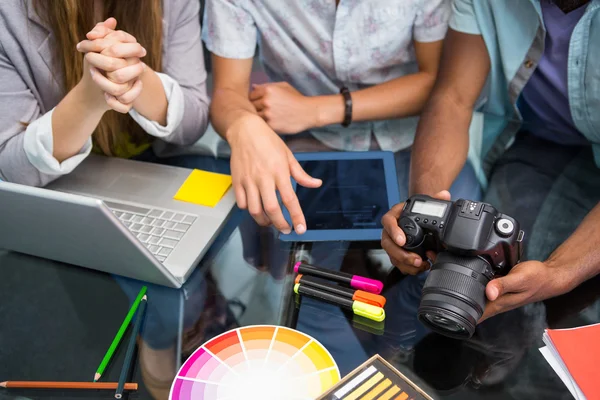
(175,110)
(38,141)
(38,144)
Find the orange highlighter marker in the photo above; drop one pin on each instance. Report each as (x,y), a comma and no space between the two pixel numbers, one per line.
(356,295)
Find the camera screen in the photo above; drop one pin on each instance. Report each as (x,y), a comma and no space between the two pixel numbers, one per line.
(429,208)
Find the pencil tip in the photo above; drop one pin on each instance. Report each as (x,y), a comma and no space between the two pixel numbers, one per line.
(3,384)
(96,377)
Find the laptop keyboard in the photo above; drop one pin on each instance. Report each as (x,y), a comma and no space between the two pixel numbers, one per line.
(159,230)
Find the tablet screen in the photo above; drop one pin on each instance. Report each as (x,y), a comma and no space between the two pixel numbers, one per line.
(353,194)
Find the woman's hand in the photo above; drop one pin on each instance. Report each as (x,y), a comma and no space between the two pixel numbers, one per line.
(285,109)
(261,165)
(114,64)
(88,90)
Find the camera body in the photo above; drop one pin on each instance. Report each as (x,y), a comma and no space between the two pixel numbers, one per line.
(474,242)
(466,228)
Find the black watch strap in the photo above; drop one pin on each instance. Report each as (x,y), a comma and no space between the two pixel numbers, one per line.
(348,106)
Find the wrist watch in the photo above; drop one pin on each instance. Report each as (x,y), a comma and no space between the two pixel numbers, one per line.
(348,106)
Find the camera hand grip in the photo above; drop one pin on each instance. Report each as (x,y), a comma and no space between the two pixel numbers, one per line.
(414,236)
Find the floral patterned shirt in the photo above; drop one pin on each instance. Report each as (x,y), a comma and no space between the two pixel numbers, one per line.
(318,48)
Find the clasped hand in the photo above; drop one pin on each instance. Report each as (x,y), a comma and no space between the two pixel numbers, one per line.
(112,62)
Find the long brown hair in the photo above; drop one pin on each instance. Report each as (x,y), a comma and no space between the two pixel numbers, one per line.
(70,20)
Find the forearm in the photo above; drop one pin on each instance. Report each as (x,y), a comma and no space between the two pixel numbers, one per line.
(229,108)
(441,145)
(580,253)
(398,98)
(442,141)
(152,103)
(73,121)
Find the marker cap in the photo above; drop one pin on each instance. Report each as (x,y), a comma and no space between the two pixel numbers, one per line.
(366,284)
(369,298)
(368,311)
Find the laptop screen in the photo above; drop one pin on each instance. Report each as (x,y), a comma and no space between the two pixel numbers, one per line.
(353,194)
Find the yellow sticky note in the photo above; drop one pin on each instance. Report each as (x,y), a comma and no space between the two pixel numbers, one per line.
(203,188)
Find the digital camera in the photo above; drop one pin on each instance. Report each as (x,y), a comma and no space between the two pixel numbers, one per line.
(474,243)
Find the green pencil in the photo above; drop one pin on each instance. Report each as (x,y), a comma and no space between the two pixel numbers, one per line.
(131,348)
(120,333)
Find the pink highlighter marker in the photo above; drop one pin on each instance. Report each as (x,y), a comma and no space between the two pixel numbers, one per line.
(355,281)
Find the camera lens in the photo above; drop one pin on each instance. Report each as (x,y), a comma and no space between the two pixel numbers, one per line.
(444,323)
(454,295)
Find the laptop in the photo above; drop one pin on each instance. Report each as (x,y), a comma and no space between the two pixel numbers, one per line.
(116,216)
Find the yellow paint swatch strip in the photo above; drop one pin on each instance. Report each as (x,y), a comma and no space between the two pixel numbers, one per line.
(402,396)
(390,393)
(364,387)
(378,389)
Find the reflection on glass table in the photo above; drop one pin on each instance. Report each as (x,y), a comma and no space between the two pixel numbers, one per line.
(58,321)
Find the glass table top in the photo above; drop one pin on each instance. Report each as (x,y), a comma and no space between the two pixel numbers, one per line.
(58,321)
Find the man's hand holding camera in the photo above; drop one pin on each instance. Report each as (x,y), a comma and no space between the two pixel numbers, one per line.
(571,264)
(393,240)
(528,282)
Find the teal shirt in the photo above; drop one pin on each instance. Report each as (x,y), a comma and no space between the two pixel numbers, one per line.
(514,33)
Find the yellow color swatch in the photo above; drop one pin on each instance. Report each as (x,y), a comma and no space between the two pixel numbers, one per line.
(377,390)
(390,393)
(364,387)
(203,188)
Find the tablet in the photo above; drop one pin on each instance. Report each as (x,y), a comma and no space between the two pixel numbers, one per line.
(358,189)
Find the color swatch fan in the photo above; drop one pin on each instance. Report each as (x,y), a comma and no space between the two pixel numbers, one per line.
(257,362)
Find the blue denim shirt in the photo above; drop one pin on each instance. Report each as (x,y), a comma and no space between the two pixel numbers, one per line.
(514,33)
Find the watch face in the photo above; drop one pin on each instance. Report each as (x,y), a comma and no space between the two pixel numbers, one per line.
(431,208)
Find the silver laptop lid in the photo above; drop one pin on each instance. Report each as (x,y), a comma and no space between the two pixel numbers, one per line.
(75,230)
